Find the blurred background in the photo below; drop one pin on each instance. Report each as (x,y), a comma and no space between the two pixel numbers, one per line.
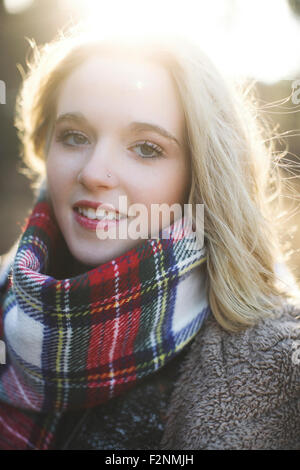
(256,39)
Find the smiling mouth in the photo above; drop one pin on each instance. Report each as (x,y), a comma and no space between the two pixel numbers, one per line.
(100,219)
(99,214)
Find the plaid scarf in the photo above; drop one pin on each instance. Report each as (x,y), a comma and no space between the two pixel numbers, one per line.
(80,341)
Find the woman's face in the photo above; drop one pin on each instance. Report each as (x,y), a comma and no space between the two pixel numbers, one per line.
(119,131)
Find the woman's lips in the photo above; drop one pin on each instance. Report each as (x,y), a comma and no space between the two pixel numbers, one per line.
(93,224)
(95,205)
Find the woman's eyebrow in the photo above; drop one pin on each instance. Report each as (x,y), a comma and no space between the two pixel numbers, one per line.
(145,126)
(76,117)
(133,126)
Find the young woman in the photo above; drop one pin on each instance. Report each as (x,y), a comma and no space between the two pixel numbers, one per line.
(142,341)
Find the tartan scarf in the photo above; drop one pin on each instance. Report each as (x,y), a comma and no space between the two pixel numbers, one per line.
(77,342)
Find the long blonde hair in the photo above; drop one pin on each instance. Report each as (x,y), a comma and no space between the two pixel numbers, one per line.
(233,173)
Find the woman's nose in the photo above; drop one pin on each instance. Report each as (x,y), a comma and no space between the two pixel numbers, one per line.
(99,169)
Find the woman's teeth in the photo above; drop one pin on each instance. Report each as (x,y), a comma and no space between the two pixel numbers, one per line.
(100,214)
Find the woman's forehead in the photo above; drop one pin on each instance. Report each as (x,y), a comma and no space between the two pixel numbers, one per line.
(120,88)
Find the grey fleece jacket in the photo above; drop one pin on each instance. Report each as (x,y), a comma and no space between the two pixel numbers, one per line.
(239,391)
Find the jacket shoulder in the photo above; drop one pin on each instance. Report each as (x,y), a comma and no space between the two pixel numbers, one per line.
(269,345)
(240,390)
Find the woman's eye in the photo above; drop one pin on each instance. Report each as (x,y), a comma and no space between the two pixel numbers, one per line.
(73,139)
(148,150)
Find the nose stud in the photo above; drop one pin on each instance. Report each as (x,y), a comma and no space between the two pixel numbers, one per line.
(79,177)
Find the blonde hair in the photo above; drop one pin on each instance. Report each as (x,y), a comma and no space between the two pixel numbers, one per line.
(233,173)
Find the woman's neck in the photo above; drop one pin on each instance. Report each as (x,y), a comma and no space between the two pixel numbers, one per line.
(63,265)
